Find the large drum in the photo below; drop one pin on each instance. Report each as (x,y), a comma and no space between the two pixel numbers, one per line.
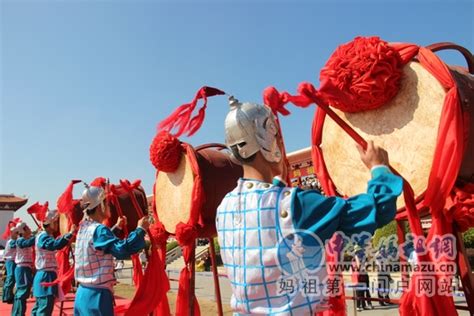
(175,192)
(129,200)
(76,217)
(120,201)
(407,127)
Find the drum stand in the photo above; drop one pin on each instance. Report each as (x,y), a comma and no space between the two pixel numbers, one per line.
(217,290)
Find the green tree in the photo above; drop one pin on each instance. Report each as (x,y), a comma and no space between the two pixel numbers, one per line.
(468,237)
(171,245)
(385,231)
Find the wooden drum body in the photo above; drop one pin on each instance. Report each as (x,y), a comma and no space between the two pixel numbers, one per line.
(126,206)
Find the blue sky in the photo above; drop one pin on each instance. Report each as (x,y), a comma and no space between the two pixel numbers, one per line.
(84,83)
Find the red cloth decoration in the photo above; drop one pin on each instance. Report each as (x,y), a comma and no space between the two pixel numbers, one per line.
(114,192)
(38,210)
(337,303)
(99,182)
(460,206)
(445,168)
(158,234)
(11,224)
(165,152)
(182,116)
(151,294)
(361,75)
(186,235)
(277,101)
(66,203)
(152,290)
(129,188)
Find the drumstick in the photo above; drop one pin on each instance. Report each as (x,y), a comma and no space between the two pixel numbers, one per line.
(34,219)
(344,125)
(409,197)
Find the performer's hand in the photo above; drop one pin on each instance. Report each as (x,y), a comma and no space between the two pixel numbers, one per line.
(121,222)
(373,155)
(144,223)
(73,229)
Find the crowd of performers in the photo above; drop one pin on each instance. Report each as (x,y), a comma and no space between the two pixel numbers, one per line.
(252,216)
(95,249)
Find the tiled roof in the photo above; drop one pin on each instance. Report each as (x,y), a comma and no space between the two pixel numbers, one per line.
(10,202)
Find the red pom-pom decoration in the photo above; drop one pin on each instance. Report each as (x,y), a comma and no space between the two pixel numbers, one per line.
(185,234)
(158,234)
(361,75)
(165,152)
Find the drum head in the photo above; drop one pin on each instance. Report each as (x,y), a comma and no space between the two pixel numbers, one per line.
(173,193)
(406,127)
(77,215)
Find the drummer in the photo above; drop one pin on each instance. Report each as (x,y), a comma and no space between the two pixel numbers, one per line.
(24,268)
(46,264)
(9,255)
(96,246)
(263,199)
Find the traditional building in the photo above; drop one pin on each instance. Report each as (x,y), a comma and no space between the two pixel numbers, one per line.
(9,204)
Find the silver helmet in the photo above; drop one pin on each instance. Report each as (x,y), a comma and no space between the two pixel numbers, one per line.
(251,127)
(92,197)
(51,216)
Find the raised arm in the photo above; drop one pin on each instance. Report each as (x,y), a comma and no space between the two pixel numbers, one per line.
(105,240)
(360,213)
(25,243)
(47,242)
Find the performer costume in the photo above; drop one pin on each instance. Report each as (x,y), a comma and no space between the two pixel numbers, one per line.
(9,255)
(46,267)
(254,218)
(23,272)
(96,246)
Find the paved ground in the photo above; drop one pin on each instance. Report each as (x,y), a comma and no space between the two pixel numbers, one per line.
(205,291)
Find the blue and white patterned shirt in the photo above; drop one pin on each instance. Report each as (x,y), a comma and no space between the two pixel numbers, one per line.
(256,217)
(10,250)
(96,246)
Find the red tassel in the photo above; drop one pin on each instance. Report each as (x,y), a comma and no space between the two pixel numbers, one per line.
(65,203)
(274,100)
(99,182)
(151,294)
(182,116)
(277,101)
(137,270)
(10,225)
(39,210)
(185,235)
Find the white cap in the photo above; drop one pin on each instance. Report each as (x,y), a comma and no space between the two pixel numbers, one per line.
(19,228)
